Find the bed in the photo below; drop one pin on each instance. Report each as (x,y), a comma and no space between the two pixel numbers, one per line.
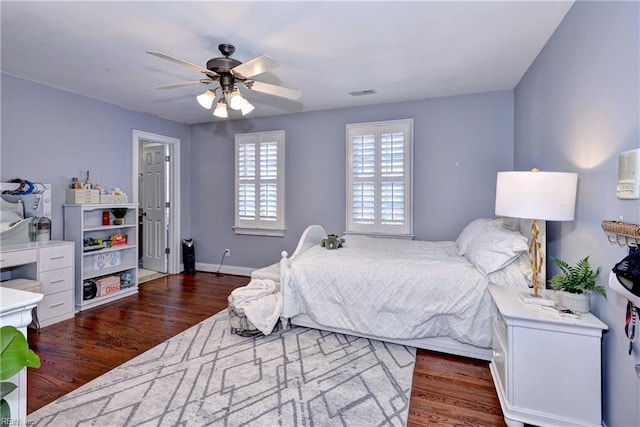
(431,295)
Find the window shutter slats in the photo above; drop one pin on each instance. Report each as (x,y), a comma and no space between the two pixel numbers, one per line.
(259,181)
(379,177)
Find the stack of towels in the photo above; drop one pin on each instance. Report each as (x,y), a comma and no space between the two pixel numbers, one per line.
(261,302)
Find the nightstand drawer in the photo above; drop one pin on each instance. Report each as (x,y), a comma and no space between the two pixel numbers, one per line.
(55,257)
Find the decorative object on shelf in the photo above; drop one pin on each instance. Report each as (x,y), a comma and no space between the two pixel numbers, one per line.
(15,355)
(108,260)
(119,213)
(622,233)
(89,289)
(75,184)
(106,218)
(126,279)
(549,196)
(87,183)
(108,285)
(577,283)
(118,239)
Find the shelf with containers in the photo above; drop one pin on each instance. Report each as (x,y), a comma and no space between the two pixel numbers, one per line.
(106,254)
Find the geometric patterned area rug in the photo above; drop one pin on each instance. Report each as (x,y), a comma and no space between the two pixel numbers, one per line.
(207,376)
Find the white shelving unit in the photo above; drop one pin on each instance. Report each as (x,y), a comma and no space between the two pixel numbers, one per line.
(83,222)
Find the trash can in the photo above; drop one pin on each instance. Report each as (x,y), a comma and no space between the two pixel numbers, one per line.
(188,256)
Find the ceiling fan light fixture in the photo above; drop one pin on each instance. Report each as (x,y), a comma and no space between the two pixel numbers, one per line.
(221,109)
(236,100)
(206,99)
(247,108)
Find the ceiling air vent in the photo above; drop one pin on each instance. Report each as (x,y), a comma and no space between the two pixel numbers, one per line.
(363,92)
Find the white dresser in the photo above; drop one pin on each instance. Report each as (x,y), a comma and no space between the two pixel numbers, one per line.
(546,367)
(52,264)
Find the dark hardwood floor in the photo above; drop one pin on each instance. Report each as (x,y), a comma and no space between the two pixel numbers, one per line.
(447,390)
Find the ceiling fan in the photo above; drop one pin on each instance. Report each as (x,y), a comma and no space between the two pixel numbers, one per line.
(229,72)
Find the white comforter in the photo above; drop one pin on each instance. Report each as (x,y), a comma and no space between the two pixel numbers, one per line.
(391,288)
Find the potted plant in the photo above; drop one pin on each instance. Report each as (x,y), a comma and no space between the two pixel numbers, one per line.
(119,213)
(577,283)
(14,356)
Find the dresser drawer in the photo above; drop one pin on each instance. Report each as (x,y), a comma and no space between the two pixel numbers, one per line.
(56,280)
(55,257)
(13,258)
(54,305)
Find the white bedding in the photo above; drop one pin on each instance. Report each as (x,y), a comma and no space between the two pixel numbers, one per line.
(399,290)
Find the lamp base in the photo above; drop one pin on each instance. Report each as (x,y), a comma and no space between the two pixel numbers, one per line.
(527,297)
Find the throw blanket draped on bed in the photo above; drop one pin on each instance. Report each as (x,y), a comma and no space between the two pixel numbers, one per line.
(392,288)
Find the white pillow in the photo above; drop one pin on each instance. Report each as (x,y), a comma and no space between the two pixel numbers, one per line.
(470,233)
(518,274)
(496,248)
(477,227)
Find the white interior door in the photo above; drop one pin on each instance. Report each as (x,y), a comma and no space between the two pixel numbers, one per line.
(154,208)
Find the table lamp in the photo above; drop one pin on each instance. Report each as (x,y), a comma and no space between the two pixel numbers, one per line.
(548,196)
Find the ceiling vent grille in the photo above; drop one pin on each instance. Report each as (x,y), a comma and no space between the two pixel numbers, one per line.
(363,92)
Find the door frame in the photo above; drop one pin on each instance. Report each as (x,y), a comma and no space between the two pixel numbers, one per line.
(139,137)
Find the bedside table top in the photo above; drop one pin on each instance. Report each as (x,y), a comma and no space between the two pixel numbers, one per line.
(512,308)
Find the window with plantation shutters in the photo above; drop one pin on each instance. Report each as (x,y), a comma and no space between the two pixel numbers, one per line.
(379,178)
(260,183)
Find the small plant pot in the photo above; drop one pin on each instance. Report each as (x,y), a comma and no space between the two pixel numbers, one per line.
(118,221)
(580,303)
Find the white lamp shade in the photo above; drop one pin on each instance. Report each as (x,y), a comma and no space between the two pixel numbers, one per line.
(221,109)
(236,100)
(247,108)
(548,196)
(206,99)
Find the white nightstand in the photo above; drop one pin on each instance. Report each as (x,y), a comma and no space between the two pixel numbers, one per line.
(546,368)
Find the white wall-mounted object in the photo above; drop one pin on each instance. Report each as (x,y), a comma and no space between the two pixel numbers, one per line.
(629,175)
(546,368)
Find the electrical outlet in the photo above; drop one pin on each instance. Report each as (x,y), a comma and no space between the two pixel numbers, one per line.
(227,252)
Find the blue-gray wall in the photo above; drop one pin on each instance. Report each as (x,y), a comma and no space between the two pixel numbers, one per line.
(50,135)
(575,110)
(459,144)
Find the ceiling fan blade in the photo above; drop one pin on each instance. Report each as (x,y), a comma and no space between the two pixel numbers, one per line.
(183,84)
(273,89)
(178,61)
(255,66)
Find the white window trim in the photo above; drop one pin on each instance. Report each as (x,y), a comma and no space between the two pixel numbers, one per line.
(406,230)
(257,227)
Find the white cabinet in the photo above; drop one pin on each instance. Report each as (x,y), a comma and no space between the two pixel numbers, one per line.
(108,270)
(50,263)
(546,367)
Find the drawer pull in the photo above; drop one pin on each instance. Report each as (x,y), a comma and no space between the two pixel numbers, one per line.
(56,257)
(56,305)
(56,281)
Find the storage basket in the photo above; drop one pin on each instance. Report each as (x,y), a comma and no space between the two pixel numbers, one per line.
(240,325)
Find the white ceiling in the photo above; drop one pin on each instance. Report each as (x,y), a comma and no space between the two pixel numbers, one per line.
(402,50)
